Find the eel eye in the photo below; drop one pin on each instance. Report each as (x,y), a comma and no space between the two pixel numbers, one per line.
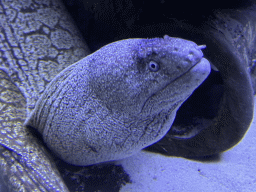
(153,66)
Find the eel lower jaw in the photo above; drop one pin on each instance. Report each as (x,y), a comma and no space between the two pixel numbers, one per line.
(200,109)
(192,124)
(197,124)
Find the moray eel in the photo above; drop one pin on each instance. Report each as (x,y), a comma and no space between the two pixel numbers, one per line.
(118,100)
(37,41)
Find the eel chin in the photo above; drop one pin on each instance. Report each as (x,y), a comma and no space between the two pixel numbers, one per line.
(219,112)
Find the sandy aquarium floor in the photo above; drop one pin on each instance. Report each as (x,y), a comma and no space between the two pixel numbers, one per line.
(234,170)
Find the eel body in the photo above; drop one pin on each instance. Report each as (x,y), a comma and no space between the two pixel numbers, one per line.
(37,41)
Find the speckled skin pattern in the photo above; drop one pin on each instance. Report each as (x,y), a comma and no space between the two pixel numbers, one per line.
(118,100)
(37,41)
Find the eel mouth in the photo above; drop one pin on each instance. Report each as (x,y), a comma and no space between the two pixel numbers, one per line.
(199,110)
(219,112)
(194,113)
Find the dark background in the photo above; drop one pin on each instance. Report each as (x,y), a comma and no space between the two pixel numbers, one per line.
(104,21)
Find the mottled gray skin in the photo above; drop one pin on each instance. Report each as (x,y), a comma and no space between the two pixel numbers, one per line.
(37,41)
(118,100)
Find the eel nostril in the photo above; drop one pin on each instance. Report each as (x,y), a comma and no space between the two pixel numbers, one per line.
(176,49)
(191,56)
(188,59)
(191,53)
